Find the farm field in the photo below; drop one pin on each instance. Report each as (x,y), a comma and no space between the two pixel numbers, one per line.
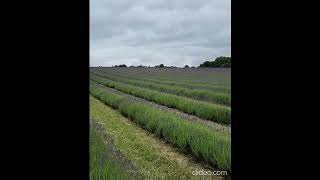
(160,123)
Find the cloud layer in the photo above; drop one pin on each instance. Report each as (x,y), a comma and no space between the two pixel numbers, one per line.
(170,32)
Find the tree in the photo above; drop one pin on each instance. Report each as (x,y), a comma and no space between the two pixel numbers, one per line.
(121,65)
(186,66)
(160,66)
(221,61)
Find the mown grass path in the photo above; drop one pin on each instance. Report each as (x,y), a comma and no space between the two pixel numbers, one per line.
(153,158)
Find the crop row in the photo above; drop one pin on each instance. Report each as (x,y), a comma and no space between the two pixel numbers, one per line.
(196,75)
(215,88)
(210,124)
(193,86)
(212,112)
(203,95)
(209,146)
(172,75)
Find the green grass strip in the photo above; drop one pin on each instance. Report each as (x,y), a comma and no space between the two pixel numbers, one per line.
(209,146)
(212,112)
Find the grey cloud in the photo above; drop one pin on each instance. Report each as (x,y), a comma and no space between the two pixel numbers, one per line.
(172,32)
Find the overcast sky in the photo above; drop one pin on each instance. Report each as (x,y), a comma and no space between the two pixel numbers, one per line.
(152,32)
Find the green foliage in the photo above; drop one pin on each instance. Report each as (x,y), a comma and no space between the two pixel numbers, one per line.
(160,66)
(213,112)
(210,146)
(221,61)
(121,65)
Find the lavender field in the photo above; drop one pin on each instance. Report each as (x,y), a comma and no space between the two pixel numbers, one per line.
(186,111)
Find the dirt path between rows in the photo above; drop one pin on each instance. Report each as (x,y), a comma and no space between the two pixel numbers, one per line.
(212,125)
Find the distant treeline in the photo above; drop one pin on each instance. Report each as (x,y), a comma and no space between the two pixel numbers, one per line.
(221,61)
(121,65)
